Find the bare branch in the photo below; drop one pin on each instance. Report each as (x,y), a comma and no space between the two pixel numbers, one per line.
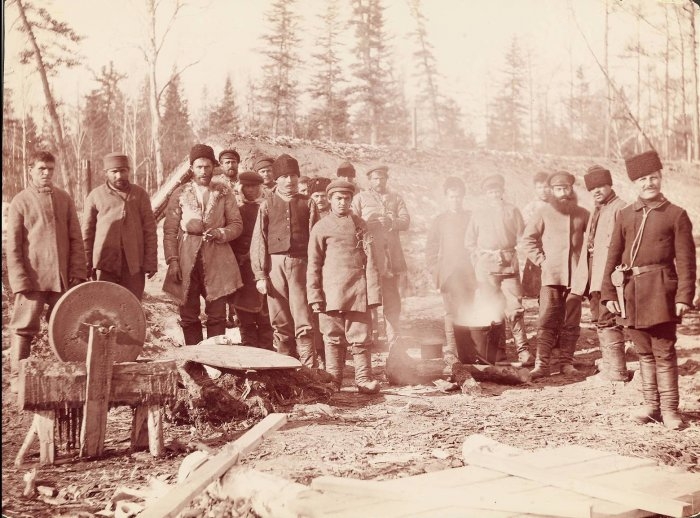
(174,75)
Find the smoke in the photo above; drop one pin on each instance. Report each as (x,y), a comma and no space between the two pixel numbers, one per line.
(487,307)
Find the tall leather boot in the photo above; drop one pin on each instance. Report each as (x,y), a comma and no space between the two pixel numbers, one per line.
(20,348)
(567,346)
(612,350)
(363,370)
(216,330)
(192,333)
(335,362)
(650,411)
(517,328)
(546,338)
(667,379)
(305,349)
(449,350)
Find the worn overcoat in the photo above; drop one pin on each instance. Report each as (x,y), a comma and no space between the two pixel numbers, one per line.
(185,222)
(667,242)
(113,223)
(44,244)
(445,252)
(342,273)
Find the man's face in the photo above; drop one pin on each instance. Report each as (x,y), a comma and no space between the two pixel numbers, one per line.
(251,192)
(118,178)
(454,199)
(649,186)
(229,165)
(288,182)
(341,203)
(203,169)
(543,190)
(42,173)
(563,192)
(321,200)
(600,194)
(304,188)
(494,194)
(377,181)
(266,173)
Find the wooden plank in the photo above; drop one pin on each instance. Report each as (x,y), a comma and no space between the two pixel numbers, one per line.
(27,443)
(170,504)
(49,385)
(502,502)
(447,478)
(155,431)
(45,422)
(139,428)
(630,497)
(100,358)
(236,357)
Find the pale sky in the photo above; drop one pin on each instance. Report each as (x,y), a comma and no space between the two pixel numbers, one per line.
(470,39)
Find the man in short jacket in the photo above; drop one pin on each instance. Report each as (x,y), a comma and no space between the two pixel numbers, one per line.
(119,229)
(652,255)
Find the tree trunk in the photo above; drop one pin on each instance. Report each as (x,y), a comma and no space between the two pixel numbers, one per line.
(666,110)
(154,93)
(696,96)
(684,106)
(48,96)
(608,104)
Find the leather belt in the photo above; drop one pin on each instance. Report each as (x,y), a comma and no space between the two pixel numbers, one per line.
(193,233)
(638,270)
(293,256)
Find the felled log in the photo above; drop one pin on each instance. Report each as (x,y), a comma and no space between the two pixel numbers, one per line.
(159,201)
(461,372)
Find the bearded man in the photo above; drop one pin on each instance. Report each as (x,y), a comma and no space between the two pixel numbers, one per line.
(553,240)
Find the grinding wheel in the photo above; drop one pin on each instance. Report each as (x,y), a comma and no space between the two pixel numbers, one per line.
(98,303)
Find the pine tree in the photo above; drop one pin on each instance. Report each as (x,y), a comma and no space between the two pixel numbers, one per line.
(224,117)
(177,135)
(279,93)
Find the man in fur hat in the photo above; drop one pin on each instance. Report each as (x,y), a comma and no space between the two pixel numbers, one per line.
(650,274)
(553,240)
(588,277)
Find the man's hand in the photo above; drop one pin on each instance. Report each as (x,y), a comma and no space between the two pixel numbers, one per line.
(212,234)
(317,307)
(613,307)
(74,282)
(93,274)
(681,309)
(174,270)
(262,286)
(149,275)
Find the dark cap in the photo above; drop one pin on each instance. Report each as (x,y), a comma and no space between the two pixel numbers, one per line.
(562,178)
(202,151)
(495,180)
(340,186)
(285,165)
(263,161)
(250,178)
(346,169)
(115,160)
(379,169)
(643,164)
(597,176)
(229,153)
(541,177)
(319,184)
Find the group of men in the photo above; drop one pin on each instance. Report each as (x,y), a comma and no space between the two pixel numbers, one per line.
(635,262)
(303,272)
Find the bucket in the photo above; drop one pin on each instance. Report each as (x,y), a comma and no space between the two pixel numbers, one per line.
(481,344)
(431,350)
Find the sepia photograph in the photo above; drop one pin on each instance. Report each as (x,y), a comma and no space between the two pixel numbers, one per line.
(350,258)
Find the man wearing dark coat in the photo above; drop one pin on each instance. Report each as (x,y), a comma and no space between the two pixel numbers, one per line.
(343,285)
(119,229)
(45,254)
(650,274)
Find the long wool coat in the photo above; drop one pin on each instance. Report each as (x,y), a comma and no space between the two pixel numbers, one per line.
(445,252)
(342,272)
(369,205)
(112,223)
(601,244)
(650,298)
(553,241)
(44,245)
(184,214)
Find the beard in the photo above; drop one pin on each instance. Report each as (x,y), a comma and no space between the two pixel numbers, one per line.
(565,205)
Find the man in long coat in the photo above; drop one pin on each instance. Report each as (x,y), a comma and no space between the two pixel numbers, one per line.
(588,277)
(343,285)
(119,229)
(45,254)
(532,276)
(450,263)
(553,240)
(385,213)
(652,254)
(200,220)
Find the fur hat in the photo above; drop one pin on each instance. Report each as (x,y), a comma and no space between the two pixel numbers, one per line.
(340,186)
(319,184)
(597,176)
(202,151)
(561,178)
(263,161)
(115,160)
(379,169)
(250,178)
(285,165)
(346,169)
(495,180)
(643,164)
(231,152)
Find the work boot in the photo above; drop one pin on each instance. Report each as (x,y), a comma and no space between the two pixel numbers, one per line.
(526,359)
(305,349)
(216,330)
(20,348)
(364,382)
(546,338)
(667,380)
(517,328)
(192,333)
(569,370)
(650,411)
(449,350)
(612,349)
(335,362)
(567,346)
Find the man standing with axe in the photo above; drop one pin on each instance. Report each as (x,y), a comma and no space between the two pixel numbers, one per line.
(649,280)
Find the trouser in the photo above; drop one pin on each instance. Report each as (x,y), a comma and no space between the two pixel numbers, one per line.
(26,322)
(343,328)
(255,328)
(656,346)
(214,309)
(611,338)
(391,307)
(457,296)
(509,291)
(559,323)
(135,283)
(290,314)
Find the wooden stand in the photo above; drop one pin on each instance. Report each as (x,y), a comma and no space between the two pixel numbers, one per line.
(49,387)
